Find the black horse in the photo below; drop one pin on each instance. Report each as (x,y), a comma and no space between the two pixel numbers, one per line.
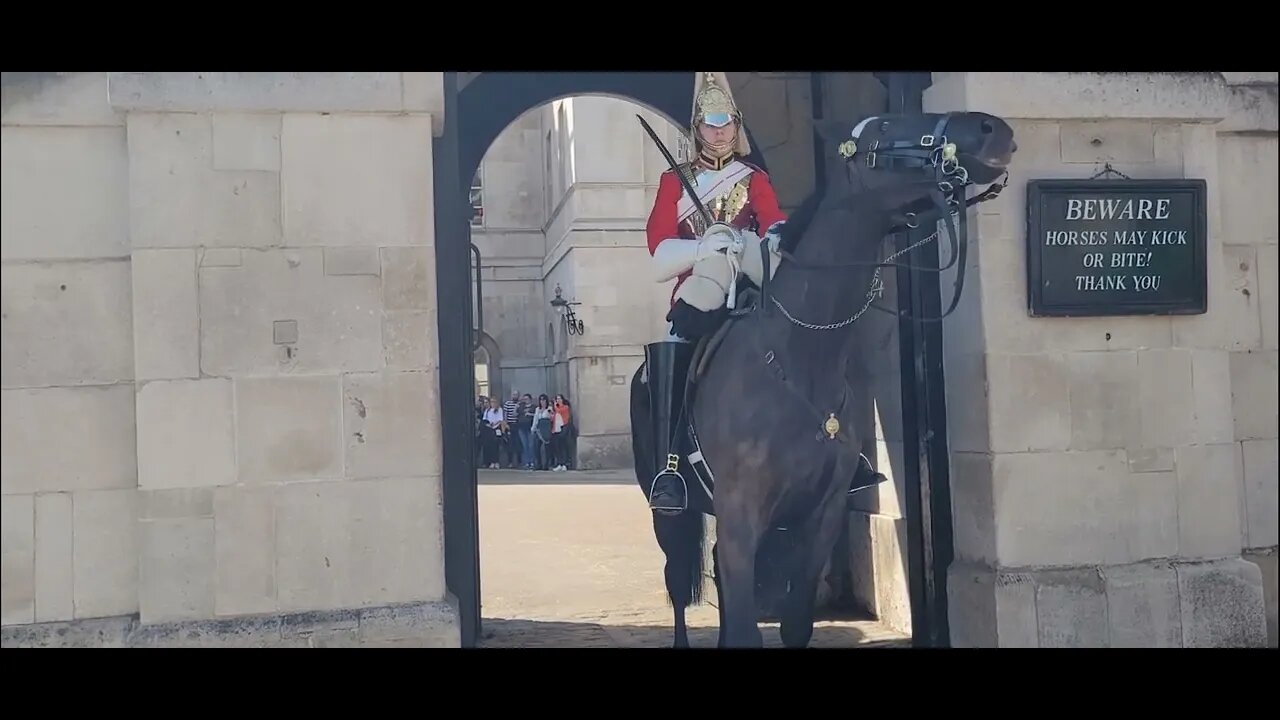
(770,402)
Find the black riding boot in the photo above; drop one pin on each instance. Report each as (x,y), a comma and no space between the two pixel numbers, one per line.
(667,365)
(865,477)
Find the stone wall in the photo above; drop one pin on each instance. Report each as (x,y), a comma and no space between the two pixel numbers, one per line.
(220,389)
(1114,479)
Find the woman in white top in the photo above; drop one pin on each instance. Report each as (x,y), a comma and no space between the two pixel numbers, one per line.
(495,427)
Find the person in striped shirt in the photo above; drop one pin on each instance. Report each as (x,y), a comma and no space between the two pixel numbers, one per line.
(511,413)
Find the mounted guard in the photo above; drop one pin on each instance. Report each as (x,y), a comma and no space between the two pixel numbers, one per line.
(709,246)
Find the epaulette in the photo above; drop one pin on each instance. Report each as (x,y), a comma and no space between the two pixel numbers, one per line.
(686,169)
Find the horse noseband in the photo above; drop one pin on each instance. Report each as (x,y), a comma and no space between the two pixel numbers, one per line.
(930,151)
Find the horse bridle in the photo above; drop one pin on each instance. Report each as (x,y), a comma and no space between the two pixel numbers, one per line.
(946,198)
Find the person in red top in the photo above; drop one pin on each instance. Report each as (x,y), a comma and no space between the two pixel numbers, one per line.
(704,257)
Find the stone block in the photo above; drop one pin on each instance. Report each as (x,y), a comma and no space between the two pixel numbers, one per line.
(289,428)
(973,507)
(1210,375)
(988,608)
(1071,609)
(1143,609)
(1108,141)
(177,570)
(349,544)
(66,324)
(1222,604)
(166,316)
(339,322)
(256,91)
(1104,411)
(220,257)
(427,624)
(888,537)
(1268,292)
(1266,560)
(390,421)
(1084,95)
(1254,384)
(68,439)
(966,387)
(357,180)
(409,339)
(1248,188)
(54,577)
(64,191)
(111,632)
(1261,470)
(424,92)
(1089,509)
(105,546)
(408,278)
(243,141)
(245,550)
(240,632)
(603,451)
(1143,460)
(351,261)
(1030,407)
(175,504)
(284,332)
(1233,321)
(178,199)
(186,435)
(17,559)
(1250,78)
(1166,398)
(62,99)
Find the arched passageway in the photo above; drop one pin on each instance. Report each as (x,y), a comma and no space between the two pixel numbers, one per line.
(474,117)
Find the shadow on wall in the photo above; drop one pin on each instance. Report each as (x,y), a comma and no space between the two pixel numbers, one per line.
(876,533)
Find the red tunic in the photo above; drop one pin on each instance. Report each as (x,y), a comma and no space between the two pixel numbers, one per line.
(759,212)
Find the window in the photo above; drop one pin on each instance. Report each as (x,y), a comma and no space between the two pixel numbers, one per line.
(477,201)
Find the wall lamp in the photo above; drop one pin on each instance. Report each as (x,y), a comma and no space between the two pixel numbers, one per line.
(574,325)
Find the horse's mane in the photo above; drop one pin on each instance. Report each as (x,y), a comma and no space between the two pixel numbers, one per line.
(793,229)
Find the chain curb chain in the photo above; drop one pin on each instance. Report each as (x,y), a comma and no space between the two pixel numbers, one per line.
(877,289)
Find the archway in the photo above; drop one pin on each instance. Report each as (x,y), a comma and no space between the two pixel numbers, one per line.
(473,118)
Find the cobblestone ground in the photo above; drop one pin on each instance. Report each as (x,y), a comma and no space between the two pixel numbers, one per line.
(569,560)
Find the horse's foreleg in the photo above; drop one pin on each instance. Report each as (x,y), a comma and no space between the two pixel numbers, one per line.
(797,616)
(678,603)
(680,537)
(737,537)
(715,569)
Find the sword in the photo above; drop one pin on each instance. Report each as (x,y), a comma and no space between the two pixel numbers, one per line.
(706,215)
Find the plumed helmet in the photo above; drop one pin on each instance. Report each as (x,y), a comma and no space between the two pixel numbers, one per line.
(713,104)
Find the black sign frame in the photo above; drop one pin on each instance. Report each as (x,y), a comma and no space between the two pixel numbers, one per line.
(1036,226)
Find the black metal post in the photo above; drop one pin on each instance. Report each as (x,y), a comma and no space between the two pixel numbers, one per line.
(457,374)
(479,298)
(929,531)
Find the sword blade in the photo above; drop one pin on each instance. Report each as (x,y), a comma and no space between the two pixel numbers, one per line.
(706,215)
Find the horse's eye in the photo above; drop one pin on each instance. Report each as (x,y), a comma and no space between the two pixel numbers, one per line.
(884,126)
(986,128)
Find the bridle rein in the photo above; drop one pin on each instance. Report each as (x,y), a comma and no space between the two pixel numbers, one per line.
(946,200)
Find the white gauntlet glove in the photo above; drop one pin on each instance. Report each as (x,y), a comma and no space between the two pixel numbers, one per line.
(715,274)
(674,256)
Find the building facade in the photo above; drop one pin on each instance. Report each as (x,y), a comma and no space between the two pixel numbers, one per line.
(221,386)
(561,201)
